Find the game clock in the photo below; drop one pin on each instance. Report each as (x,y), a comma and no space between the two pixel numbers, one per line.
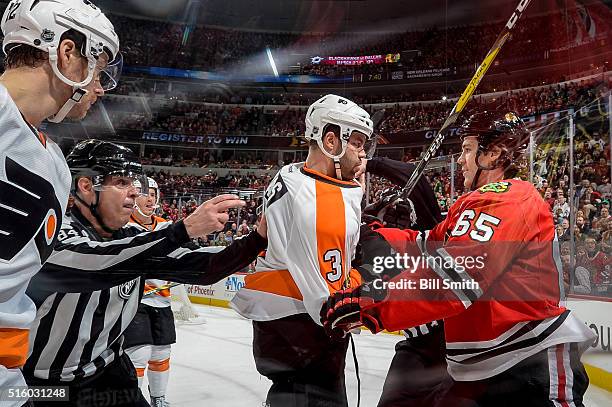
(371,77)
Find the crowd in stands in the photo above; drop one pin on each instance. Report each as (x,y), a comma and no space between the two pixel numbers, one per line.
(524,102)
(205,48)
(209,158)
(178,185)
(227,94)
(240,223)
(592,232)
(208,119)
(591,274)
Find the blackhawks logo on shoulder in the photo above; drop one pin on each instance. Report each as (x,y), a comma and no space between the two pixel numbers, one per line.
(497,187)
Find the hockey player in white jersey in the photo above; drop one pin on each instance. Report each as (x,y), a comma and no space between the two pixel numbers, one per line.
(151,333)
(313,211)
(57,65)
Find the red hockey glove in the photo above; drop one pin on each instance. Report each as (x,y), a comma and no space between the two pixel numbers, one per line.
(344,310)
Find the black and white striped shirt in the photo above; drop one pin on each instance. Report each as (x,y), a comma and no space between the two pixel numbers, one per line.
(88,291)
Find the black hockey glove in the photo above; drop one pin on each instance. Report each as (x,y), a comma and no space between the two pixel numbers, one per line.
(344,310)
(372,245)
(390,211)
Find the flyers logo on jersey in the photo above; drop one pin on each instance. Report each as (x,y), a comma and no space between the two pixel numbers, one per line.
(496,187)
(29,210)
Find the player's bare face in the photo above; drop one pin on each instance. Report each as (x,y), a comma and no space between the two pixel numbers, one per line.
(467,160)
(94,91)
(351,160)
(146,203)
(117,201)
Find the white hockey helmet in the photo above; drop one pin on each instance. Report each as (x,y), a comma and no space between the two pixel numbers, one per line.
(153,185)
(333,109)
(41,23)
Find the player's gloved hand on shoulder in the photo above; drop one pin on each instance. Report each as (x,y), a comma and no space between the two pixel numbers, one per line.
(345,310)
(371,221)
(390,211)
(372,246)
(386,198)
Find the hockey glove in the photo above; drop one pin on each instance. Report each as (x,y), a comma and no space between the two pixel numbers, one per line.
(344,310)
(371,246)
(391,211)
(387,197)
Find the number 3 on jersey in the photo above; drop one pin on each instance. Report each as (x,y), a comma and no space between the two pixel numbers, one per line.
(335,257)
(482,230)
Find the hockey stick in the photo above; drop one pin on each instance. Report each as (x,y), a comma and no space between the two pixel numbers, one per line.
(450,120)
(161,288)
(462,101)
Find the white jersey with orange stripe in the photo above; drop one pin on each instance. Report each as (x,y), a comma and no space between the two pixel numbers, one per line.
(34,187)
(313,229)
(159,299)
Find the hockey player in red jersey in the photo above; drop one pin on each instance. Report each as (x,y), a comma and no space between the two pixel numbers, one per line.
(508,340)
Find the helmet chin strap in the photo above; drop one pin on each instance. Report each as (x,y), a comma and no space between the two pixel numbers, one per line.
(337,168)
(479,171)
(475,180)
(335,158)
(77,88)
(93,208)
(144,215)
(76,97)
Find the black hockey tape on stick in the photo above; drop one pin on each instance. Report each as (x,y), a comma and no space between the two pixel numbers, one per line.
(462,101)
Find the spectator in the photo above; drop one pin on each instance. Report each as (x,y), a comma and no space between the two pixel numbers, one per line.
(561,204)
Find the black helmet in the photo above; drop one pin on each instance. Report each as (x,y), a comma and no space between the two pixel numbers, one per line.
(501,129)
(98,159)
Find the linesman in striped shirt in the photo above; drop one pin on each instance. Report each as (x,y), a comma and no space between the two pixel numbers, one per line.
(89,290)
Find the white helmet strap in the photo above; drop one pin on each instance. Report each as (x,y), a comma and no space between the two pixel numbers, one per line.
(78,91)
(140,212)
(336,158)
(74,99)
(337,168)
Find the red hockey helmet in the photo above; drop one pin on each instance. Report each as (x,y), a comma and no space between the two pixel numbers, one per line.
(501,129)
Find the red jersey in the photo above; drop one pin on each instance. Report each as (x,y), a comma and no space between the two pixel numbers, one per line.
(501,306)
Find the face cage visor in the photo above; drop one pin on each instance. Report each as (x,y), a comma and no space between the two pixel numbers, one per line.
(122,179)
(370,146)
(109,75)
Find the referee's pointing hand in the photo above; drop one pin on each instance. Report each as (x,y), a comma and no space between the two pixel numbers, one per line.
(212,215)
